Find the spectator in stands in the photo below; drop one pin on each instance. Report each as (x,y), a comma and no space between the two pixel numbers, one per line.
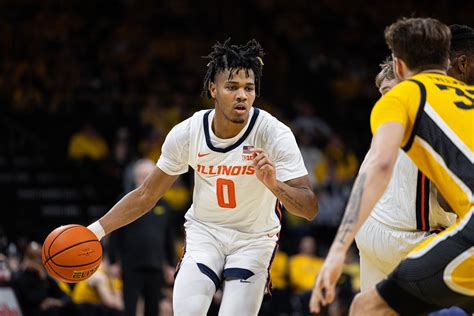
(37,292)
(5,273)
(3,240)
(304,266)
(339,164)
(150,146)
(309,123)
(13,257)
(101,294)
(145,250)
(178,196)
(87,143)
(116,167)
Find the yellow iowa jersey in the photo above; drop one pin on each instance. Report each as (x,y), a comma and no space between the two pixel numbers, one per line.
(279,271)
(438,114)
(303,271)
(86,291)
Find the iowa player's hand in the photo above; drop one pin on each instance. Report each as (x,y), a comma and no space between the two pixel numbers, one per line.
(324,290)
(264,168)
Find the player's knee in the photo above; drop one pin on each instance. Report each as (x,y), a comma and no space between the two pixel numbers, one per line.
(193,290)
(195,299)
(243,295)
(369,303)
(364,303)
(357,305)
(196,305)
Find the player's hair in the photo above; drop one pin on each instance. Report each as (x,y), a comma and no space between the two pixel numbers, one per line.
(422,43)
(234,57)
(462,41)
(386,72)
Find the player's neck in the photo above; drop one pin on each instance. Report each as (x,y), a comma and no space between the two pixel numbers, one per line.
(428,71)
(225,128)
(434,71)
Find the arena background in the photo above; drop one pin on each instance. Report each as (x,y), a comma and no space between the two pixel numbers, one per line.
(122,73)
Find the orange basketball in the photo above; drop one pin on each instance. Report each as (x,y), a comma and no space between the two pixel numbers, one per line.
(71,253)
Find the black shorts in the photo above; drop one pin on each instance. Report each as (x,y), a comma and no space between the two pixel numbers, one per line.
(438,274)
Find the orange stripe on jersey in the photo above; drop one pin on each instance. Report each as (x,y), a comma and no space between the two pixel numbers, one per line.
(422,202)
(278,210)
(269,278)
(423,223)
(440,175)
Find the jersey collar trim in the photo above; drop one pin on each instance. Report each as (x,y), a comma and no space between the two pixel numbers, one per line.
(253,119)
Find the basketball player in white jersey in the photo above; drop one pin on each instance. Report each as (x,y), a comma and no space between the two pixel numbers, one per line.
(403,217)
(246,163)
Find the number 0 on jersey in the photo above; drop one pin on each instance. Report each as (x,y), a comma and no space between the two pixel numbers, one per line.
(225,193)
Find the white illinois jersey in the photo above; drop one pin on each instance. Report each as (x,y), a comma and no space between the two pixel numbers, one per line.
(409,203)
(227,192)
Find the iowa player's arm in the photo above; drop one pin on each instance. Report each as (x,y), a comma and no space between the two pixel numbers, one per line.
(391,127)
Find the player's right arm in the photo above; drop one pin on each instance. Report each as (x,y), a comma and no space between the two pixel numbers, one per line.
(172,163)
(137,202)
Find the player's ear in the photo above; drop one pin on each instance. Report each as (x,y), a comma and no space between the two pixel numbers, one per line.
(212,89)
(462,63)
(399,68)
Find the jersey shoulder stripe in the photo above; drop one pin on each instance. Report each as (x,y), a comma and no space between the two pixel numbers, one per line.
(454,158)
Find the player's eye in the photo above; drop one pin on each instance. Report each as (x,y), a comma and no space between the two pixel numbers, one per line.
(249,89)
(232,88)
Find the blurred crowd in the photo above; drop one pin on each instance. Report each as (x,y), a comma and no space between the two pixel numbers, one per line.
(94,87)
(107,291)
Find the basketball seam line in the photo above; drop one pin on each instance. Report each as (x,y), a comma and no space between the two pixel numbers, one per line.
(83,242)
(52,242)
(80,265)
(59,275)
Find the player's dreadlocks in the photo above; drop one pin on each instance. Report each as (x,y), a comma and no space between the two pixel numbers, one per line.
(462,40)
(234,57)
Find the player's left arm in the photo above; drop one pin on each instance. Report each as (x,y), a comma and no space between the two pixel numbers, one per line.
(369,186)
(295,194)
